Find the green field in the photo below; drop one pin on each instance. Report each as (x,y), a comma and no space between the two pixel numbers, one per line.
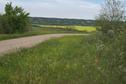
(86,28)
(37,30)
(68,60)
(78,28)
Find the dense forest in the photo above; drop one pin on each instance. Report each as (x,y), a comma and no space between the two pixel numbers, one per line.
(59,21)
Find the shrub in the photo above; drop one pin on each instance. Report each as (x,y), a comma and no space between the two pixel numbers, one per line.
(111,17)
(15,20)
(111,49)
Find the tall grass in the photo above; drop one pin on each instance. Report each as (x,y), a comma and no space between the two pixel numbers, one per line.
(68,60)
(63,61)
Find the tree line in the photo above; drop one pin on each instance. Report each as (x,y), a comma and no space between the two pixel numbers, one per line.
(14,20)
(59,21)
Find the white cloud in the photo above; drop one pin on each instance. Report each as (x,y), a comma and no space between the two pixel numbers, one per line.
(57,8)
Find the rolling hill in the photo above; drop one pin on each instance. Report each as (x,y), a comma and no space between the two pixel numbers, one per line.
(61,21)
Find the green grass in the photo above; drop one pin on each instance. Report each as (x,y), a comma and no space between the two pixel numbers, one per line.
(49,29)
(37,30)
(68,60)
(62,61)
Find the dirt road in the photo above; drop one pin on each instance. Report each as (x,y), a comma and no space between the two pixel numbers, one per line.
(12,45)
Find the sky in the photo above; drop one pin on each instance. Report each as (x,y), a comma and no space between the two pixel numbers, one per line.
(78,9)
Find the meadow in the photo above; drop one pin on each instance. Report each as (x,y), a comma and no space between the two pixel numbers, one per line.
(68,60)
(77,28)
(97,56)
(40,30)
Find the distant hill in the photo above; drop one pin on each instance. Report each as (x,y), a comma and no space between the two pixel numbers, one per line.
(59,21)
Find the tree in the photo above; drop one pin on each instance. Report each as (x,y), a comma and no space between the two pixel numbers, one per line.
(111,18)
(111,49)
(15,19)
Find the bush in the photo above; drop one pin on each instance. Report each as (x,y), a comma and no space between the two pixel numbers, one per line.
(112,58)
(111,49)
(15,20)
(111,17)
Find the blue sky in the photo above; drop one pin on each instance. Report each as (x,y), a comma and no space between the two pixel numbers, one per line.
(80,9)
